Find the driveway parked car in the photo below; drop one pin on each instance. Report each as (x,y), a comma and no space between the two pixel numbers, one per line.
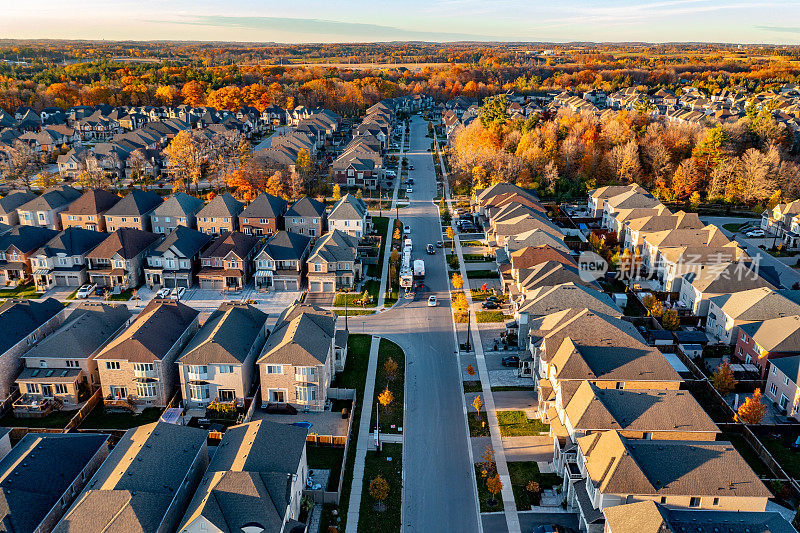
(432,301)
(490,304)
(99,291)
(163,293)
(85,291)
(439,244)
(177,293)
(511,360)
(755,233)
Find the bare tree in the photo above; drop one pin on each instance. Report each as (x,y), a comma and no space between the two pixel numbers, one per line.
(21,164)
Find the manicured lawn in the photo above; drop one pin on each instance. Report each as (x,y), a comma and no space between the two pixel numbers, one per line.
(734,226)
(478,425)
(478,295)
(353,377)
(124,296)
(477,258)
(371,287)
(72,294)
(354,312)
(58,419)
(789,459)
(480,274)
(327,458)
(389,465)
(100,418)
(393,415)
(484,495)
(472,386)
(473,243)
(516,424)
(484,317)
(521,472)
(28,290)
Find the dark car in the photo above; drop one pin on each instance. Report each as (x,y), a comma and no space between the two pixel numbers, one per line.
(548,529)
(411,167)
(439,244)
(99,291)
(493,298)
(410,181)
(490,304)
(431,249)
(511,360)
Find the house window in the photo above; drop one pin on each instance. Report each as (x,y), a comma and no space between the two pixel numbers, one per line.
(146,390)
(226,395)
(198,369)
(60,388)
(663,499)
(72,364)
(32,388)
(198,392)
(784,401)
(774,370)
(305,373)
(773,389)
(143,367)
(112,365)
(306,393)
(694,501)
(317,267)
(226,369)
(716,501)
(274,369)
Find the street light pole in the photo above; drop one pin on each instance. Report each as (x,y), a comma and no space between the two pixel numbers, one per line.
(469,346)
(377,427)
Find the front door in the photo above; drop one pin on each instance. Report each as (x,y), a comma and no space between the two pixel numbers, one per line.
(277,396)
(47,391)
(227,395)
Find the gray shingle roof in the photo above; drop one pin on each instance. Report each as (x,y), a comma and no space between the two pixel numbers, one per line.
(306,207)
(223,205)
(51,198)
(26,238)
(286,246)
(72,241)
(265,206)
(302,337)
(226,337)
(128,242)
(335,246)
(137,203)
(348,208)
(92,202)
(179,204)
(20,318)
(187,241)
(12,201)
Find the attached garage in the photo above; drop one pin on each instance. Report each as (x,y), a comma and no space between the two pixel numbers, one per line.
(182,282)
(286,285)
(169,283)
(67,280)
(217,284)
(328,286)
(315,286)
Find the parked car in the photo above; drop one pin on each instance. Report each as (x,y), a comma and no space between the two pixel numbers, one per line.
(439,244)
(494,299)
(409,190)
(177,293)
(431,250)
(411,167)
(755,233)
(411,181)
(85,291)
(406,229)
(548,529)
(511,360)
(163,293)
(490,304)
(99,291)
(432,301)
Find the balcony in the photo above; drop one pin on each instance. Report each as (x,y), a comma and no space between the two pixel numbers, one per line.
(306,378)
(197,376)
(145,374)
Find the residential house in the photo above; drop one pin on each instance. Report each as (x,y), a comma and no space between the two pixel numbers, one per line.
(117,261)
(306,216)
(23,323)
(727,312)
(9,204)
(778,220)
(760,342)
(350,215)
(783,378)
(43,473)
(176,260)
(632,199)
(297,363)
(145,484)
(61,367)
(262,462)
(698,287)
(17,247)
(533,238)
(226,264)
(333,263)
(133,211)
(138,369)
(180,209)
(597,197)
(673,263)
(43,211)
(631,229)
(89,210)
(614,470)
(220,215)
(281,263)
(219,361)
(547,274)
(264,215)
(651,517)
(61,262)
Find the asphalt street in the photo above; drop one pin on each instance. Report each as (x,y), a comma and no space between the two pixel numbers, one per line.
(439,478)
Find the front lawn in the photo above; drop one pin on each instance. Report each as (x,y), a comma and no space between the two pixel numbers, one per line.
(516,424)
(484,495)
(485,317)
(472,386)
(354,312)
(477,258)
(27,290)
(478,423)
(473,243)
(481,274)
(327,458)
(523,472)
(354,299)
(392,415)
(101,418)
(55,420)
(389,465)
(124,296)
(733,227)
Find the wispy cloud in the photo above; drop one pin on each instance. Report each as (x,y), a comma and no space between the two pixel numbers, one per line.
(780,29)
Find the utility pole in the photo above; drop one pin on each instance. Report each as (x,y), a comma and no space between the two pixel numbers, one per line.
(345,311)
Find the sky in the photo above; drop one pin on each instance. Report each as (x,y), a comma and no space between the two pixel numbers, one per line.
(730,21)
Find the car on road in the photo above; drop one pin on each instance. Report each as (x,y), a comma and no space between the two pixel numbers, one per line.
(163,293)
(85,291)
(406,229)
(409,190)
(490,304)
(411,167)
(511,360)
(494,299)
(432,301)
(440,244)
(431,249)
(548,529)
(411,181)
(755,233)
(177,293)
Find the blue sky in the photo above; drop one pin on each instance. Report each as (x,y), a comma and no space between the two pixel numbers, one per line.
(735,21)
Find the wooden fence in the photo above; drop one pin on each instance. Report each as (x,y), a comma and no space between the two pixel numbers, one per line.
(84,411)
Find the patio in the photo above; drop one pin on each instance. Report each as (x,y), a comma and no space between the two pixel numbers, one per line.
(323,423)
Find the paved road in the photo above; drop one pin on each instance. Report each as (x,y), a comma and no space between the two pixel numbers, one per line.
(439,480)
(528,520)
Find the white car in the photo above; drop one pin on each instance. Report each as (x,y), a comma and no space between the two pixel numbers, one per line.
(406,229)
(755,233)
(163,293)
(432,301)
(409,190)
(85,291)
(177,293)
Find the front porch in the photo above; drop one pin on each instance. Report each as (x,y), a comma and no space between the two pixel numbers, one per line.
(116,277)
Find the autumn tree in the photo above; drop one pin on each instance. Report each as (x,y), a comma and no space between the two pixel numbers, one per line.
(390,369)
(451,236)
(494,485)
(277,185)
(457,281)
(670,320)
(46,179)
(471,370)
(723,379)
(753,410)
(137,162)
(21,164)
(460,303)
(337,192)
(477,404)
(187,153)
(379,490)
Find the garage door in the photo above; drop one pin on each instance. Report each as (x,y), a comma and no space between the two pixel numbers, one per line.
(169,282)
(290,285)
(71,280)
(316,286)
(182,282)
(211,284)
(328,286)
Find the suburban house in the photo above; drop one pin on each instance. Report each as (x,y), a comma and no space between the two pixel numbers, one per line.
(673,263)
(117,261)
(783,378)
(133,211)
(263,216)
(631,230)
(651,517)
(138,368)
(23,323)
(145,483)
(614,470)
(261,462)
(176,260)
(531,239)
(226,264)
(548,274)
(42,475)
(9,204)
(350,215)
(306,216)
(17,247)
(297,363)
(220,215)
(61,262)
(180,209)
(698,287)
(727,312)
(219,362)
(778,220)
(89,210)
(61,369)
(333,263)
(280,264)
(759,342)
(43,211)
(634,198)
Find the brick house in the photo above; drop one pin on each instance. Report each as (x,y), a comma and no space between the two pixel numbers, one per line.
(760,342)
(43,211)
(176,260)
(9,204)
(61,262)
(88,211)
(133,211)
(351,216)
(220,215)
(180,209)
(333,263)
(226,264)
(307,217)
(263,216)
(281,263)
(118,260)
